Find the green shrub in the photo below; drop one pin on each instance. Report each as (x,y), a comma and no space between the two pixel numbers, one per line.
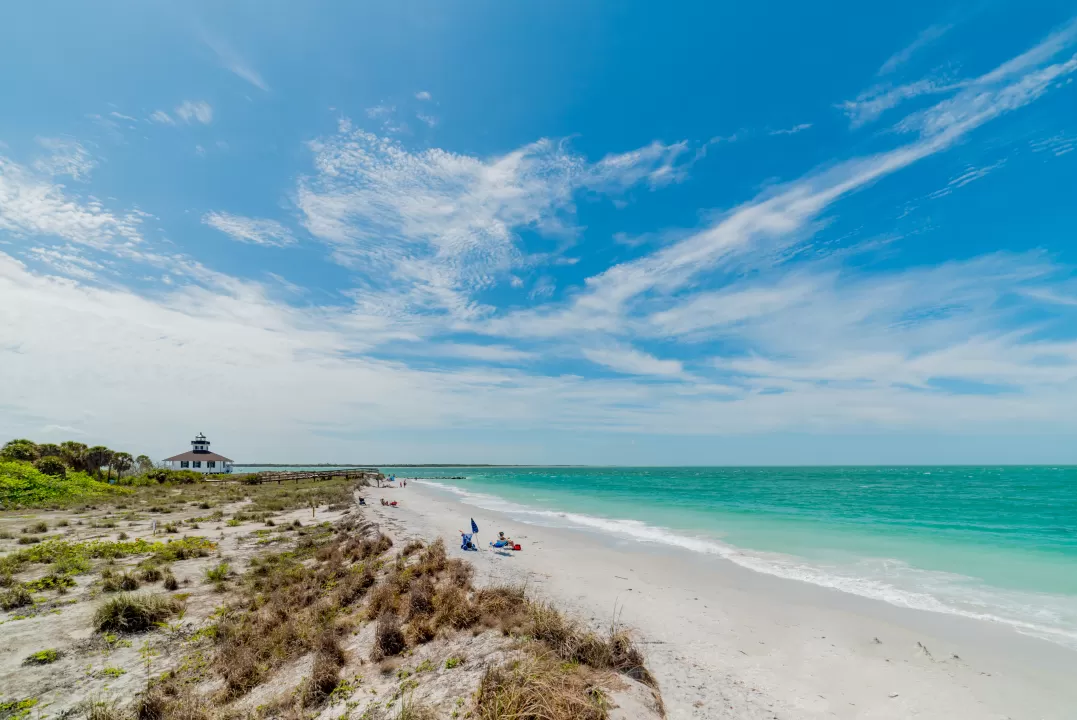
(43,657)
(56,550)
(15,597)
(52,581)
(23,485)
(38,527)
(51,466)
(218,573)
(134,613)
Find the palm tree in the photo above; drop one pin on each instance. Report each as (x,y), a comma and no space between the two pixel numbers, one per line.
(48,450)
(97,457)
(74,455)
(122,462)
(19,449)
(144,463)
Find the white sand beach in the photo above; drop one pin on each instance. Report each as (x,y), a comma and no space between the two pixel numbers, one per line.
(727,642)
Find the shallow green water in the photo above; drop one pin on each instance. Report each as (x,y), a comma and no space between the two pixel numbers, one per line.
(998,543)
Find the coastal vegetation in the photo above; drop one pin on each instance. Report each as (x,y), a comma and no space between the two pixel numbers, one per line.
(304,610)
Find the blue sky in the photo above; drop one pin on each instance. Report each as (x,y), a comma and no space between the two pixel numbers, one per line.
(556,232)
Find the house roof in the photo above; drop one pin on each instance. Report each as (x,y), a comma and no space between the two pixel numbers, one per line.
(191,455)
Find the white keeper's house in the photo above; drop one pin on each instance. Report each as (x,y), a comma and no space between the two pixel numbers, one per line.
(200,459)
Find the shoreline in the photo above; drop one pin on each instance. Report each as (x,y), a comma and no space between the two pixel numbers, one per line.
(726,641)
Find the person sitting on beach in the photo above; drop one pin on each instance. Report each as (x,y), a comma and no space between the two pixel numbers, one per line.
(384,501)
(362,500)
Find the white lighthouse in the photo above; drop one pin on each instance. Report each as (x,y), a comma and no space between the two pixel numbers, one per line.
(200,459)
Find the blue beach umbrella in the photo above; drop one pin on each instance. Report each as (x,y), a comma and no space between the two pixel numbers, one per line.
(474,527)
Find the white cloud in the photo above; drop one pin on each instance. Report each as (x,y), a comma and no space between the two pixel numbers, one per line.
(483,353)
(195,111)
(793,130)
(67,261)
(805,346)
(250,230)
(423,95)
(380,111)
(632,362)
(971,174)
(1058,145)
(776,219)
(66,157)
(873,102)
(656,164)
(925,38)
(430,120)
(1019,80)
(160,116)
(233,61)
(32,204)
(433,227)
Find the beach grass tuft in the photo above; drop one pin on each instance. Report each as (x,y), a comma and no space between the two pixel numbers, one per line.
(130,613)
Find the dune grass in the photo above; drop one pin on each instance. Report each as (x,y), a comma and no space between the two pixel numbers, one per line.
(131,613)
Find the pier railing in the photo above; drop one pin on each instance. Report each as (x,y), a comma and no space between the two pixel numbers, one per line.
(281,476)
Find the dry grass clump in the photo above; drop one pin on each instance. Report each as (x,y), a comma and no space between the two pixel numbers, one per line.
(168,698)
(412,547)
(130,613)
(388,638)
(420,601)
(18,596)
(329,658)
(288,608)
(151,573)
(537,688)
(454,609)
(616,651)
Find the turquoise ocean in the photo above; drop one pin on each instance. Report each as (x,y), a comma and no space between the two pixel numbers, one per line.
(994,543)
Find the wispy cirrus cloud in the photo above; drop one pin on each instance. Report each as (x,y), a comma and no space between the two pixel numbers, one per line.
(189,112)
(65,157)
(872,103)
(792,130)
(440,226)
(731,326)
(256,231)
(630,361)
(926,37)
(31,204)
(195,111)
(970,174)
(233,61)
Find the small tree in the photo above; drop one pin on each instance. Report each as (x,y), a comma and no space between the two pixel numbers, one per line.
(96,458)
(122,462)
(52,465)
(144,463)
